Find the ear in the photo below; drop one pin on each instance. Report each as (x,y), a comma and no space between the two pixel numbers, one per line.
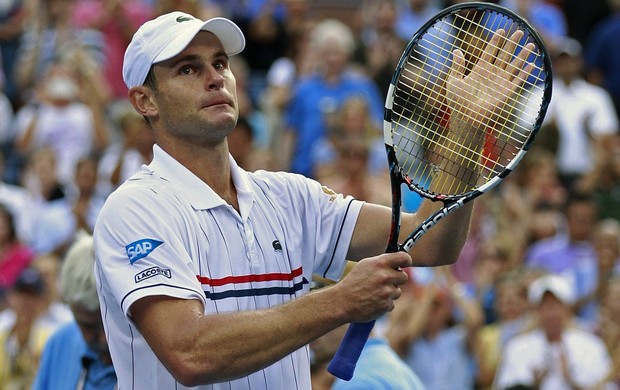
(142,100)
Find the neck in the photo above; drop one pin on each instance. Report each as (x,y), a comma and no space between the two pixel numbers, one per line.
(210,164)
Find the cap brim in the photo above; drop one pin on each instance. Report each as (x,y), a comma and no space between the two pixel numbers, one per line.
(226,31)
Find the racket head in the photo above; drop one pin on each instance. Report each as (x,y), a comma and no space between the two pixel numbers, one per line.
(416,131)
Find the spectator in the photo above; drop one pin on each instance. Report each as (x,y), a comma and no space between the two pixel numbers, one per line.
(413,14)
(582,113)
(353,176)
(247,107)
(22,334)
(604,180)
(512,318)
(6,117)
(135,148)
(322,93)
(60,121)
(243,148)
(606,240)
(526,207)
(19,201)
(432,329)
(378,368)
(15,257)
(13,16)
(266,40)
(298,62)
(49,39)
(352,121)
(571,253)
(76,356)
(52,224)
(380,46)
(491,263)
(545,16)
(87,199)
(609,326)
(556,354)
(117,20)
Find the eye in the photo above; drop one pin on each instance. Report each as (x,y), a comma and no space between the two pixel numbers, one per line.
(220,64)
(187,70)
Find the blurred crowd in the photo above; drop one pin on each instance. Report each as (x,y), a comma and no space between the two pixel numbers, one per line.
(534,300)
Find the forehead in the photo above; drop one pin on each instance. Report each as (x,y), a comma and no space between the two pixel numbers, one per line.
(204,44)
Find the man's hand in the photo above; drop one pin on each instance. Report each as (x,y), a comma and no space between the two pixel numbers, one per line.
(369,290)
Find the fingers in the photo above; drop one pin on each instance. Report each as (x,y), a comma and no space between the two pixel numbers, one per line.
(505,54)
(521,72)
(490,51)
(398,260)
(377,280)
(458,64)
(500,51)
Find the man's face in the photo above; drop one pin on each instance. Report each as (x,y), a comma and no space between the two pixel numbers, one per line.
(91,326)
(581,218)
(196,95)
(553,314)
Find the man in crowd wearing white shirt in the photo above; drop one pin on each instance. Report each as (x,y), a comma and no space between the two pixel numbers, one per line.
(556,354)
(582,113)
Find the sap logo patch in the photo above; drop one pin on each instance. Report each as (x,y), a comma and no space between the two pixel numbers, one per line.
(153,271)
(140,249)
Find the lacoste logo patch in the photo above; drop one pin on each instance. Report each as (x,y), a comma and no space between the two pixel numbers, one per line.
(183,19)
(140,249)
(153,271)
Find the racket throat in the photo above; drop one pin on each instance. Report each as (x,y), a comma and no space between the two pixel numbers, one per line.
(432,221)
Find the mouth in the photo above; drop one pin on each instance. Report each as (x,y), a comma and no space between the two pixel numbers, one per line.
(219,102)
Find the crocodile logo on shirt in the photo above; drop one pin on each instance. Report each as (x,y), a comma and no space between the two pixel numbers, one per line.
(140,249)
(183,19)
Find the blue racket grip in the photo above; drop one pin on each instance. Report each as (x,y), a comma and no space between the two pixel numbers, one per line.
(343,363)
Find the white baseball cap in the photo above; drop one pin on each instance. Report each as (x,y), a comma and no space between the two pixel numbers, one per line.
(167,35)
(557,285)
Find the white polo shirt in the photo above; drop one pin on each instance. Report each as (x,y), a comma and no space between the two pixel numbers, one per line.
(585,353)
(165,232)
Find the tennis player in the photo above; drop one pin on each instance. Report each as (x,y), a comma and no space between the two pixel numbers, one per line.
(204,269)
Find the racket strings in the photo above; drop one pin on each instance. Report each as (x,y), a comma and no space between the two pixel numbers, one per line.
(421,117)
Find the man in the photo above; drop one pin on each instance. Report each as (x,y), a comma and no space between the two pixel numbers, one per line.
(571,253)
(76,356)
(583,115)
(203,268)
(556,355)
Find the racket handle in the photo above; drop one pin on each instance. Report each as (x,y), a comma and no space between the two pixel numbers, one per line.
(343,363)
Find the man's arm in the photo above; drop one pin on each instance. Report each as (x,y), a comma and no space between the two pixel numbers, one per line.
(440,246)
(199,349)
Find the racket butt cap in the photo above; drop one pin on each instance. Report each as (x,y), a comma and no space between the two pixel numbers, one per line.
(342,369)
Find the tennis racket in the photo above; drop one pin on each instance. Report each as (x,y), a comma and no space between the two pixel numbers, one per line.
(465,103)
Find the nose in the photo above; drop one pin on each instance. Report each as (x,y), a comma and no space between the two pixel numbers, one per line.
(214,79)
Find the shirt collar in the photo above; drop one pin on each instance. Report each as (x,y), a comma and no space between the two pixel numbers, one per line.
(197,192)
